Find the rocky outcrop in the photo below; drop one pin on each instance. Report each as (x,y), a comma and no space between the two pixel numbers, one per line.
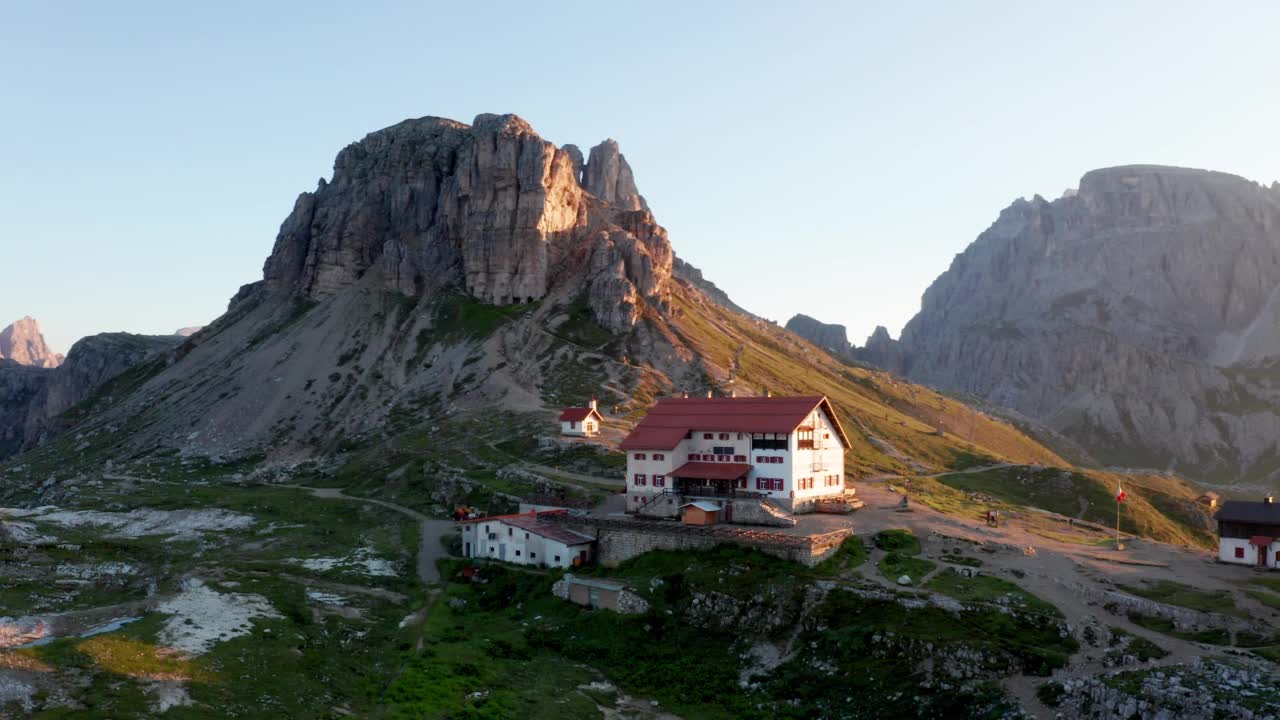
(23,343)
(682,270)
(188,331)
(490,208)
(608,176)
(881,350)
(32,399)
(1136,316)
(834,338)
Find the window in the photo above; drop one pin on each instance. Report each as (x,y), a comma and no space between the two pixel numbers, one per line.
(739,436)
(589,426)
(659,456)
(722,450)
(533,556)
(761,482)
(722,458)
(1240,552)
(635,499)
(724,436)
(509,533)
(742,483)
(777,483)
(706,436)
(694,457)
(557,558)
(639,456)
(517,553)
(826,436)
(573,424)
(659,480)
(769,441)
(526,536)
(804,439)
(640,478)
(466,528)
(739,458)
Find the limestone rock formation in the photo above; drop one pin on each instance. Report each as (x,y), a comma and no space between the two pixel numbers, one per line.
(1139,315)
(833,337)
(608,176)
(490,207)
(682,270)
(23,343)
(881,350)
(31,398)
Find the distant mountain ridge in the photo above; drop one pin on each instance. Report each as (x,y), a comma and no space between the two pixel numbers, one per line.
(1139,316)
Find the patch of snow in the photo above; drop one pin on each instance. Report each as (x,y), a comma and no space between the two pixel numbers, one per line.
(93,571)
(25,533)
(363,560)
(167,694)
(177,524)
(325,598)
(202,617)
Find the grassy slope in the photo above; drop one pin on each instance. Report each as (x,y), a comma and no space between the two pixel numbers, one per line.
(871,403)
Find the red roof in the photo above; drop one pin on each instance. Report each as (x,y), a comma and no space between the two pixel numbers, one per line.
(672,418)
(577,414)
(531,521)
(711,470)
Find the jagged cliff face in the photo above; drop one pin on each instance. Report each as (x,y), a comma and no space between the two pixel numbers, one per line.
(830,336)
(1137,315)
(490,208)
(31,399)
(23,343)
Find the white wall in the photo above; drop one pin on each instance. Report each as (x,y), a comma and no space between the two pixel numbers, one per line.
(1227,552)
(532,548)
(795,463)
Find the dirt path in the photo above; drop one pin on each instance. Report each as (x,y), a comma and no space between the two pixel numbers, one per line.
(431,530)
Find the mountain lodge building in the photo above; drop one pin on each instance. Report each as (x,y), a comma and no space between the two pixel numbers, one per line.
(784,451)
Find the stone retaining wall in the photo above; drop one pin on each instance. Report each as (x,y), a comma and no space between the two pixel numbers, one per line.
(619,540)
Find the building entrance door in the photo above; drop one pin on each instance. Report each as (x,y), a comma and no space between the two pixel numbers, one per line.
(502,551)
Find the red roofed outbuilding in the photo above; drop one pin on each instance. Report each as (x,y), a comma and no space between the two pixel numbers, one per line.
(581,421)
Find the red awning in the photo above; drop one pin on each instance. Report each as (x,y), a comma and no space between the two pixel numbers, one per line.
(711,471)
(1261,540)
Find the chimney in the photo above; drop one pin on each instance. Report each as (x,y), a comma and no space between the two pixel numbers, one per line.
(593,404)
(733,393)
(708,394)
(768,393)
(1269,499)
(686,395)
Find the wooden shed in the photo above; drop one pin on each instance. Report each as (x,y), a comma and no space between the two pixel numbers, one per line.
(700,512)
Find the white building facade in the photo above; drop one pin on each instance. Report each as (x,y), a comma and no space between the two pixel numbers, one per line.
(581,421)
(788,450)
(1249,533)
(525,540)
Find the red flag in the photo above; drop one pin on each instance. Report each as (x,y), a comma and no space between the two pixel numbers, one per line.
(1119,493)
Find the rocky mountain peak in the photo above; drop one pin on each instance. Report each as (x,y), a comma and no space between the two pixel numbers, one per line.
(490,208)
(1117,315)
(608,176)
(23,343)
(831,336)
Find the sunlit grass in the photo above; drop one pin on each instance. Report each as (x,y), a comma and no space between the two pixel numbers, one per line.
(142,660)
(23,660)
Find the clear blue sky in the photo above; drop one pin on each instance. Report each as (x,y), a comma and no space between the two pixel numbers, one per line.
(827,158)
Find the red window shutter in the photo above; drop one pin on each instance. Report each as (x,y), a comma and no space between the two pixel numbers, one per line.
(1240,552)
(706,436)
